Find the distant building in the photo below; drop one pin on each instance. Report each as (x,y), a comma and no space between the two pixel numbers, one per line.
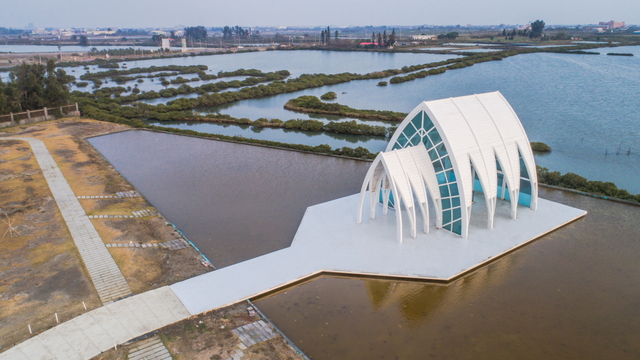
(610,25)
(166,43)
(423,37)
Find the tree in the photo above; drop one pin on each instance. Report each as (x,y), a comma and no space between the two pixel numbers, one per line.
(392,38)
(328,36)
(536,29)
(32,87)
(196,33)
(84,41)
(336,35)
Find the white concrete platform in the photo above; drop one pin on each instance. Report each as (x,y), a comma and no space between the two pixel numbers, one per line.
(329,240)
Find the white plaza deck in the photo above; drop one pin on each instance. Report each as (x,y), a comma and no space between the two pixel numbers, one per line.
(329,240)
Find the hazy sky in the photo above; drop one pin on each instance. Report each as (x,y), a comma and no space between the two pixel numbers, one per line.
(170,13)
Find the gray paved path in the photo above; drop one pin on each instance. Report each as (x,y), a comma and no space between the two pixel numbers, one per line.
(105,274)
(101,329)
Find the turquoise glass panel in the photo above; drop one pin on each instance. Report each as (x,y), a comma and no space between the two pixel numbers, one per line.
(427,142)
(402,140)
(417,120)
(441,178)
(447,227)
(446,204)
(457,213)
(455,201)
(446,162)
(409,131)
(444,191)
(446,216)
(451,176)
(498,165)
(428,124)
(435,137)
(477,186)
(442,150)
(454,189)
(433,154)
(437,166)
(457,227)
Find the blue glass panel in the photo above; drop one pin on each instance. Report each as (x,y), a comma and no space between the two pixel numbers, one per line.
(457,213)
(524,198)
(446,162)
(402,140)
(500,180)
(441,178)
(427,142)
(415,140)
(446,204)
(457,227)
(417,120)
(442,150)
(433,154)
(498,164)
(523,168)
(444,191)
(451,176)
(455,201)
(454,189)
(409,130)
(437,166)
(428,124)
(435,137)
(477,186)
(446,216)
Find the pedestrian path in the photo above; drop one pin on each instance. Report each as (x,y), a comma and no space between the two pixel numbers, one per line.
(105,274)
(149,349)
(102,329)
(255,332)
(136,214)
(175,244)
(118,195)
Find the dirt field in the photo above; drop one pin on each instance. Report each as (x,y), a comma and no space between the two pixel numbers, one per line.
(41,272)
(208,336)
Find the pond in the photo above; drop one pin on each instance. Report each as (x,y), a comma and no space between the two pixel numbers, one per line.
(570,294)
(234,201)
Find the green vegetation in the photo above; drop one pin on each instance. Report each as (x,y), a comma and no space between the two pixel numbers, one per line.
(577,182)
(540,147)
(198,33)
(311,104)
(33,87)
(536,29)
(329,96)
(176,69)
(382,83)
(620,54)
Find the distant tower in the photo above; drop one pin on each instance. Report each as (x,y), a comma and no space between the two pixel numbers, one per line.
(166,44)
(184,45)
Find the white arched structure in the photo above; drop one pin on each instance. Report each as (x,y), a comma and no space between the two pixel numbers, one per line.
(472,143)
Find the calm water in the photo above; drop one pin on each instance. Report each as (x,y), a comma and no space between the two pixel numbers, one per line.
(235,202)
(583,106)
(572,294)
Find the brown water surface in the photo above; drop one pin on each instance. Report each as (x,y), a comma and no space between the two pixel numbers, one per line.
(572,294)
(234,201)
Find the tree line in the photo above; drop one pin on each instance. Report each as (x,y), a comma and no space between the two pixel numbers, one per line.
(383,40)
(229,32)
(32,87)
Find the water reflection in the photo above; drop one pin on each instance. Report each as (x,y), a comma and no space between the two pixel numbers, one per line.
(570,294)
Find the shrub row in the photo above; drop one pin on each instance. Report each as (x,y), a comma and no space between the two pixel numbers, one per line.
(313,105)
(577,182)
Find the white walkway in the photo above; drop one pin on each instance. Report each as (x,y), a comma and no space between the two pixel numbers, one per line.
(101,329)
(329,240)
(105,274)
